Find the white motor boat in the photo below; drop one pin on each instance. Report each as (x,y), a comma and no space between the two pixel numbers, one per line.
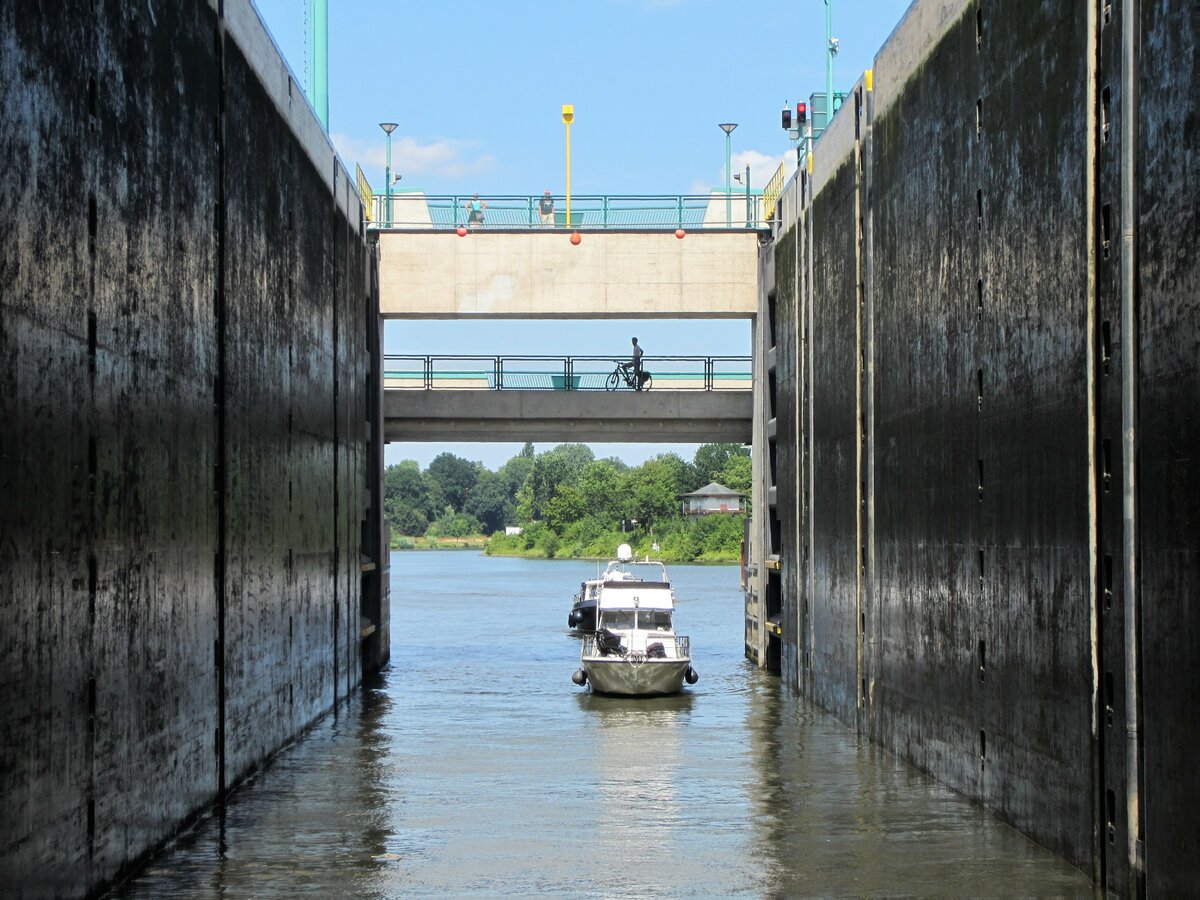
(622,569)
(633,649)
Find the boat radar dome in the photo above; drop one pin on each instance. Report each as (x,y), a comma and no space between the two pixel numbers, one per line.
(624,553)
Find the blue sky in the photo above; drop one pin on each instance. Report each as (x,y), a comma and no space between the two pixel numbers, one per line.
(477,88)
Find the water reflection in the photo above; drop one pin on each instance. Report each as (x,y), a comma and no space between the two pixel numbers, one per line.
(475,768)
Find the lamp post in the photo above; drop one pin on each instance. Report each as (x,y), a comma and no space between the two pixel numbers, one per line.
(568,116)
(831,49)
(388,128)
(728,127)
(746,181)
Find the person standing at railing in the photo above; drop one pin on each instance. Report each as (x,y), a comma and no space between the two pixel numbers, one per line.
(635,363)
(475,208)
(546,208)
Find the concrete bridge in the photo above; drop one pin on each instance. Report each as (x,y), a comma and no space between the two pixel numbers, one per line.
(555,398)
(528,274)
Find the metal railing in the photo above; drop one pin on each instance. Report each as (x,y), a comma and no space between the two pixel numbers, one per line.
(772,192)
(563,373)
(691,212)
(683,647)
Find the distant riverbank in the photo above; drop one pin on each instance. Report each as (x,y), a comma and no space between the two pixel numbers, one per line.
(469,542)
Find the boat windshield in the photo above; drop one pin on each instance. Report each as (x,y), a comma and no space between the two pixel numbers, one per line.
(619,619)
(654,619)
(645,619)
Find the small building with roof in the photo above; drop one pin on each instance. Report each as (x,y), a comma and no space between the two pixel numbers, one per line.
(711,499)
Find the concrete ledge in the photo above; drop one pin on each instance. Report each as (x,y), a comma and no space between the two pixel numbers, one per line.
(585,416)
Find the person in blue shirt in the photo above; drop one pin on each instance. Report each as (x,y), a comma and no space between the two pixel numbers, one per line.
(475,208)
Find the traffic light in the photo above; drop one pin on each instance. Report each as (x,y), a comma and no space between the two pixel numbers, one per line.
(801,114)
(787,118)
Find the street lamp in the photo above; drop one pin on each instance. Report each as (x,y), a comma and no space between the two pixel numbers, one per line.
(728,127)
(568,116)
(738,177)
(831,50)
(388,128)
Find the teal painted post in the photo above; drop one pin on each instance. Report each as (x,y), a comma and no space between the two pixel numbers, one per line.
(728,129)
(728,186)
(679,210)
(749,222)
(318,61)
(529,211)
(388,128)
(387,179)
(605,210)
(830,53)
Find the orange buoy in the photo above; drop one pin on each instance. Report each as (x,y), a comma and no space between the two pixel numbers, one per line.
(679,233)
(575,238)
(460,231)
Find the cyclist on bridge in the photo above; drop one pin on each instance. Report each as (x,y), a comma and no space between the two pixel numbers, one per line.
(635,363)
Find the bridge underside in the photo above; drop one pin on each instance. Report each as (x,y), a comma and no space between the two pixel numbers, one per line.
(620,417)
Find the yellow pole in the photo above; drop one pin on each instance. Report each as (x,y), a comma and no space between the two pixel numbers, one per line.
(568,116)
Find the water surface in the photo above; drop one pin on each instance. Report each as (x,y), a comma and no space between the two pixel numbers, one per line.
(473,766)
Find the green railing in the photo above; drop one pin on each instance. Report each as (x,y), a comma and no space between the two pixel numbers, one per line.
(563,373)
(691,212)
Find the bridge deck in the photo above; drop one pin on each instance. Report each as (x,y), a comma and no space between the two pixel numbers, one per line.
(624,416)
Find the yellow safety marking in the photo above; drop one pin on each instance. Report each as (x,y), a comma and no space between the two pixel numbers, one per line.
(869,79)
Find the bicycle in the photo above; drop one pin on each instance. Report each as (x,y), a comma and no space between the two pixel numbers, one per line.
(624,373)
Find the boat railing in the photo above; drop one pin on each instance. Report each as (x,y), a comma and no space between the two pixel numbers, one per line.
(682,647)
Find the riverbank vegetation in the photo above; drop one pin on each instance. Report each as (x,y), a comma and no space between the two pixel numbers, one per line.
(567,504)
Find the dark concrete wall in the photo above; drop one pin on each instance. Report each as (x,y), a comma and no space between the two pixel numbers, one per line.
(1168,177)
(184,308)
(987,643)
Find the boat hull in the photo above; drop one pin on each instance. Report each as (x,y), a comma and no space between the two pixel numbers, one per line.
(629,678)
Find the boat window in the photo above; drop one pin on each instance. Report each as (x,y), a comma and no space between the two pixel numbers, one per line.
(618,618)
(654,619)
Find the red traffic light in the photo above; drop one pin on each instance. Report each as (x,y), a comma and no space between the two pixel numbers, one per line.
(801,113)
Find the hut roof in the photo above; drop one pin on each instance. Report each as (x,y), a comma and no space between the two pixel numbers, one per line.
(712,489)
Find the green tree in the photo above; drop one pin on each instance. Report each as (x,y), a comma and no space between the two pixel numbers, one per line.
(654,488)
(515,472)
(736,475)
(455,475)
(602,486)
(490,502)
(454,524)
(562,465)
(566,507)
(409,496)
(711,460)
(404,519)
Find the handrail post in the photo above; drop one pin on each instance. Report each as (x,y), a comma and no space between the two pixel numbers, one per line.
(679,209)
(498,367)
(566,373)
(427,365)
(529,211)
(606,210)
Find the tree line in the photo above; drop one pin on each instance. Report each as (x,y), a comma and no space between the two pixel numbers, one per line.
(567,503)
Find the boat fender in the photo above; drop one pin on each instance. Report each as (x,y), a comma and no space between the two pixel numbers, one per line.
(691,676)
(575,619)
(579,677)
